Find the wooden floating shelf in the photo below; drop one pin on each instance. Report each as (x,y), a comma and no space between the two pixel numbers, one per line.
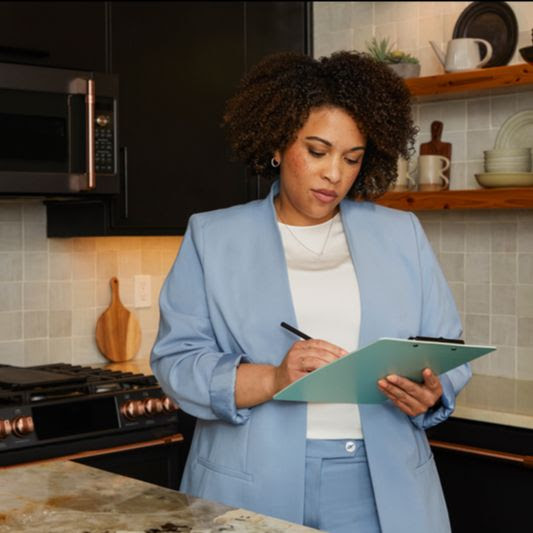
(504,198)
(444,86)
(493,80)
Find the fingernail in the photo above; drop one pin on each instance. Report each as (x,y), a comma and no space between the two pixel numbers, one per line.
(382,383)
(392,378)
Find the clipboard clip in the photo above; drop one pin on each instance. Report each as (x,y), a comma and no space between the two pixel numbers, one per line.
(437,339)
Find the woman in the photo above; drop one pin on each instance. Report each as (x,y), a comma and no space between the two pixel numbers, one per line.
(346,272)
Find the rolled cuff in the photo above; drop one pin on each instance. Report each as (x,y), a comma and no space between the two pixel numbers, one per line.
(442,410)
(222,389)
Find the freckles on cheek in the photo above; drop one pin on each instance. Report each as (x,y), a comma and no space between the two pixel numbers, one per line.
(298,168)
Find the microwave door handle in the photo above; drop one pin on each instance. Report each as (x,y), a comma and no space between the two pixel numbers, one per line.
(89,104)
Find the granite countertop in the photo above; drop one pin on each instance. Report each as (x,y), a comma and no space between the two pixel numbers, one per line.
(485,398)
(66,497)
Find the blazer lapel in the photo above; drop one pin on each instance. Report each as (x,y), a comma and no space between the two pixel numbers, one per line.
(268,302)
(366,256)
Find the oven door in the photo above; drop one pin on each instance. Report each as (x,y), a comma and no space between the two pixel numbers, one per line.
(58,131)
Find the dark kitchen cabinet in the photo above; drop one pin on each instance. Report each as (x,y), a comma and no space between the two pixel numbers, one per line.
(486,474)
(54,34)
(178,62)
(161,465)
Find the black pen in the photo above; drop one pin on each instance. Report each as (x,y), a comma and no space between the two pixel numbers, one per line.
(295,331)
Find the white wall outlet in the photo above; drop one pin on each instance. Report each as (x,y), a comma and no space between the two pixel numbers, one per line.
(142,285)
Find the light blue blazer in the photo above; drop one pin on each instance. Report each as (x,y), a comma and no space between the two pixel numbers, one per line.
(222,304)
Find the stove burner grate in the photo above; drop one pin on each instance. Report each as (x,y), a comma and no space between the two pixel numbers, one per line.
(62,380)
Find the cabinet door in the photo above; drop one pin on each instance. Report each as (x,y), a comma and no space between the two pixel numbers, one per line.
(54,34)
(177,63)
(160,465)
(273,27)
(485,487)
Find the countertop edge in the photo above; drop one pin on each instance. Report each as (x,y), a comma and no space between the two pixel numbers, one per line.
(495,417)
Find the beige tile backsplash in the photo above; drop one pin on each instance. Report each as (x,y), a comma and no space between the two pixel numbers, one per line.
(52,291)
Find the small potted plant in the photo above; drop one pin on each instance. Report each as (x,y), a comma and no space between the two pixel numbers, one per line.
(404,64)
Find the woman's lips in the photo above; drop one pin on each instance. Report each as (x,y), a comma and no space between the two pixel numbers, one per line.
(324,195)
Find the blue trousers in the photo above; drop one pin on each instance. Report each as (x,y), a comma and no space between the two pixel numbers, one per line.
(338,491)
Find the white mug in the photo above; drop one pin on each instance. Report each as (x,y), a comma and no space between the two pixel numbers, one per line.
(431,170)
(404,180)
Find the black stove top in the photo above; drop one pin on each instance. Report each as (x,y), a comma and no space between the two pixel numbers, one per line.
(46,405)
(23,385)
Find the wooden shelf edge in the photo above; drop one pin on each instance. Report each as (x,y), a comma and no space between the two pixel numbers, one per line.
(471,80)
(497,198)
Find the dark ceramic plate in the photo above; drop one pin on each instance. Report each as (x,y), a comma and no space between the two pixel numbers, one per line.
(496,23)
(527,53)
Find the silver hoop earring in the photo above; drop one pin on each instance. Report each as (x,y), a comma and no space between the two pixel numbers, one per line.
(274,162)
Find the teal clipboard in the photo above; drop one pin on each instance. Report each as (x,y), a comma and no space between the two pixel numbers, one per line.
(353,378)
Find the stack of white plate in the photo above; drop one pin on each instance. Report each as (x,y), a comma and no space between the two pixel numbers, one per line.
(508,160)
(509,164)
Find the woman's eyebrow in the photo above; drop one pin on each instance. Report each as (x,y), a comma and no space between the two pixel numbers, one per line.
(315,138)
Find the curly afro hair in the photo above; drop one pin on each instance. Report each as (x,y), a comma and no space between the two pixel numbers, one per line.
(274,99)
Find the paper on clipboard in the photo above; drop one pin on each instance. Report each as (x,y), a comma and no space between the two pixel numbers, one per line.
(353,378)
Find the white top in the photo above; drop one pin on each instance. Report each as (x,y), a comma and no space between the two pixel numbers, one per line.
(326,300)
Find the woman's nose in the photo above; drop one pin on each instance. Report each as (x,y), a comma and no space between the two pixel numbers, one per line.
(332,172)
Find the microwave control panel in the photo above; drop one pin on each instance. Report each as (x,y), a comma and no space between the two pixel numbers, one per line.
(104,140)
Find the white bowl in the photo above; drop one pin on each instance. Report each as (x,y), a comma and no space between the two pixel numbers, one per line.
(505,179)
(526,163)
(507,151)
(508,159)
(507,168)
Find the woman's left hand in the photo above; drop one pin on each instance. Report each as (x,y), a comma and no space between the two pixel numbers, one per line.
(410,397)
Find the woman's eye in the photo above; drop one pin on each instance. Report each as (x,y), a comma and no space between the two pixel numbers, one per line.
(353,161)
(314,153)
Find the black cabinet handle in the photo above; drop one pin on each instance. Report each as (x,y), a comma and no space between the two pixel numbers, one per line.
(525,460)
(124,152)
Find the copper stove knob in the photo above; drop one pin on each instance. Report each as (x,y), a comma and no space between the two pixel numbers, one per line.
(22,425)
(169,406)
(153,406)
(5,428)
(132,409)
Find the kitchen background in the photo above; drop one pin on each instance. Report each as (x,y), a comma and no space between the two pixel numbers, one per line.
(53,290)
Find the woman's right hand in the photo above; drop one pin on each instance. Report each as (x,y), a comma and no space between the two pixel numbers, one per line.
(304,357)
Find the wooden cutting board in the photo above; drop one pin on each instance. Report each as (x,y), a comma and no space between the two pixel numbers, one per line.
(118,334)
(436,146)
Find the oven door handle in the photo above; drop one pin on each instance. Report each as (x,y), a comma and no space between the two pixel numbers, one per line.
(523,460)
(177,437)
(90,99)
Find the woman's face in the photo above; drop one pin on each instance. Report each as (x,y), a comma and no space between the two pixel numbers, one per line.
(319,167)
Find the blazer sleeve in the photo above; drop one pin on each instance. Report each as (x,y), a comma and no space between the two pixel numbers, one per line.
(186,359)
(439,319)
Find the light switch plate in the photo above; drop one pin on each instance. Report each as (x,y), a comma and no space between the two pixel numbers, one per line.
(142,285)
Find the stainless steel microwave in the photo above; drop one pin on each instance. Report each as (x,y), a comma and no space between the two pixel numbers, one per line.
(58,131)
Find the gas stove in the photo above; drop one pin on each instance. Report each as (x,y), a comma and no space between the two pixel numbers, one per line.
(59,409)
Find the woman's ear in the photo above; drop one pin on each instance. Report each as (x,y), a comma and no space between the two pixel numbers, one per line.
(277,156)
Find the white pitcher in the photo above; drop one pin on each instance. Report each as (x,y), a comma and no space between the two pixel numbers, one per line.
(462,54)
